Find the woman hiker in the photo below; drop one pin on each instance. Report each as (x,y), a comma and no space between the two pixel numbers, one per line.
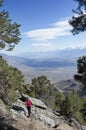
(28,105)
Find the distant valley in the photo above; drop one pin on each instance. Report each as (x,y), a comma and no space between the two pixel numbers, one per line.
(57,66)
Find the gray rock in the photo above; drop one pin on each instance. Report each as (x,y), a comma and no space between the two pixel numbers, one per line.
(19,109)
(36,102)
(83,127)
(42,113)
(47,120)
(76,124)
(17,114)
(46,116)
(39,110)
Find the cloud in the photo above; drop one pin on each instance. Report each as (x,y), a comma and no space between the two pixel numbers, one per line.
(42,45)
(62,23)
(60,28)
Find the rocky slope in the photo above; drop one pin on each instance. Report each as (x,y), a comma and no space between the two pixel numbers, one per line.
(69,85)
(42,118)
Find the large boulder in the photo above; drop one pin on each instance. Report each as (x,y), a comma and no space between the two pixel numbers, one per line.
(36,102)
(19,110)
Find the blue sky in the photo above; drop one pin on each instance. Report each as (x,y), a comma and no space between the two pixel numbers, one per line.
(44,25)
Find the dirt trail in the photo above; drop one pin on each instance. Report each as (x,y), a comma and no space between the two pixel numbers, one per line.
(33,124)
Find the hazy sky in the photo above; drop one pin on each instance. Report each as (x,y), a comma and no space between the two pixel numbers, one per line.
(44,24)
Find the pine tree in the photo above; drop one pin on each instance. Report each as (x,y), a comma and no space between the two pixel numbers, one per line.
(9,32)
(81,71)
(59,97)
(44,90)
(71,105)
(11,80)
(78,22)
(84,108)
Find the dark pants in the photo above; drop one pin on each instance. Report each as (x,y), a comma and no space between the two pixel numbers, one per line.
(29,111)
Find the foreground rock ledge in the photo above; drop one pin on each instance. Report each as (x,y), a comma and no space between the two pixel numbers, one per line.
(41,114)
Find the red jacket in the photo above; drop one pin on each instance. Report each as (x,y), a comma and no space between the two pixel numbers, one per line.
(28,103)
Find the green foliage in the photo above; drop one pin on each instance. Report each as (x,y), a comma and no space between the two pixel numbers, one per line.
(71,105)
(44,90)
(81,71)
(11,80)
(78,22)
(9,32)
(81,4)
(84,108)
(0,112)
(59,97)
(29,90)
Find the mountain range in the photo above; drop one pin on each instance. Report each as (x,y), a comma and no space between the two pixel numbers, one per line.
(60,53)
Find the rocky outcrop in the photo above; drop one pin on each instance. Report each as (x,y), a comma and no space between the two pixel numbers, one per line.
(41,113)
(5,118)
(19,110)
(76,125)
(36,102)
